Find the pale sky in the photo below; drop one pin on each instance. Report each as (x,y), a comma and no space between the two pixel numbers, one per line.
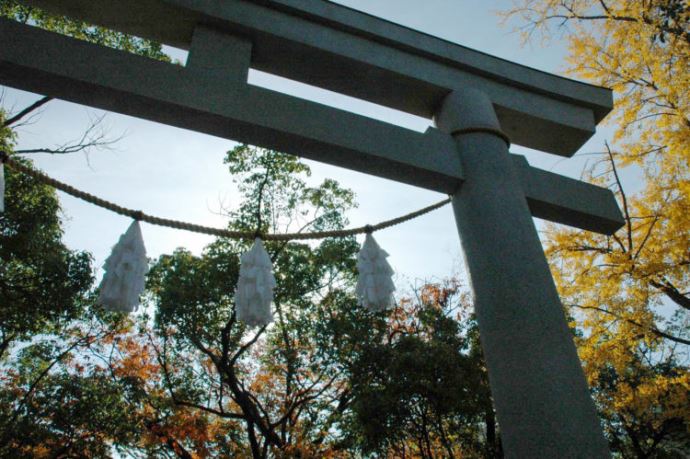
(174,173)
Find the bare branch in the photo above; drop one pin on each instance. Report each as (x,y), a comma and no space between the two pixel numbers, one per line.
(652,329)
(247,345)
(26,111)
(167,379)
(93,137)
(672,293)
(646,236)
(624,198)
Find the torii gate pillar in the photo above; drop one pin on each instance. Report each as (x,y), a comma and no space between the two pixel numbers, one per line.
(540,393)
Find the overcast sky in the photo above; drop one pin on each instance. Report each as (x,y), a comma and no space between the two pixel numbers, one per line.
(179,174)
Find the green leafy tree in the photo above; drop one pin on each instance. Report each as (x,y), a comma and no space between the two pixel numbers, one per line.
(81,30)
(265,378)
(328,378)
(42,283)
(52,404)
(422,390)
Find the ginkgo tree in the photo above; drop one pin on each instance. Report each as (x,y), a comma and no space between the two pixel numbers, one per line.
(629,294)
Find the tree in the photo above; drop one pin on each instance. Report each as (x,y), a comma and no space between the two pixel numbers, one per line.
(328,379)
(628,294)
(51,407)
(42,283)
(81,30)
(267,378)
(422,390)
(52,403)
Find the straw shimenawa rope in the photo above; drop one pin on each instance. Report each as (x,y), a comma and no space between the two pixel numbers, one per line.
(141,216)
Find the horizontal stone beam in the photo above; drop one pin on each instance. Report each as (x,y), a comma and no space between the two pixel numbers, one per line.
(211,96)
(568,201)
(47,63)
(343,50)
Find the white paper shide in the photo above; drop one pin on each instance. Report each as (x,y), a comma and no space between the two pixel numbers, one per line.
(255,286)
(125,272)
(375,283)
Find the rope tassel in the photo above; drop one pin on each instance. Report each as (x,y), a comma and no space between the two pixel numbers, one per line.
(375,283)
(125,272)
(255,287)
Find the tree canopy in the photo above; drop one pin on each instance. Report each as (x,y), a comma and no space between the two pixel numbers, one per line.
(78,29)
(328,379)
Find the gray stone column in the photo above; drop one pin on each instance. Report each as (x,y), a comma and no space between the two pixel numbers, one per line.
(543,405)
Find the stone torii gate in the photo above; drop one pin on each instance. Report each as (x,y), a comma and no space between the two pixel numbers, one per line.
(477,102)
